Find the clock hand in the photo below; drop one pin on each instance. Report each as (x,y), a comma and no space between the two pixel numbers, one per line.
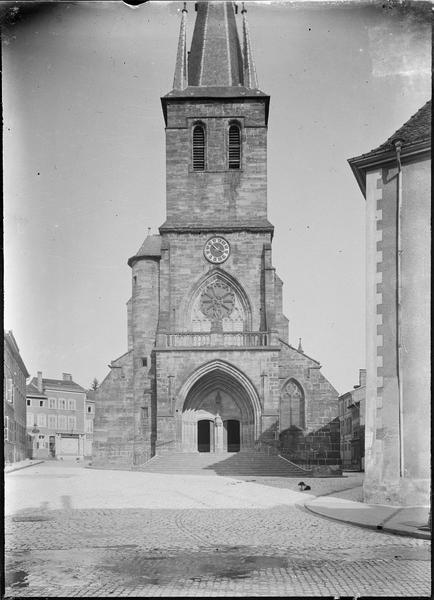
(215,248)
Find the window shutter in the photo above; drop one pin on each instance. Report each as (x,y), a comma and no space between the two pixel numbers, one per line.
(234,147)
(9,390)
(198,148)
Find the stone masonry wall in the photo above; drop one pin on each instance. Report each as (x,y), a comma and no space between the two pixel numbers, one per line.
(144,318)
(188,266)
(397,445)
(114,424)
(321,398)
(319,442)
(216,195)
(173,368)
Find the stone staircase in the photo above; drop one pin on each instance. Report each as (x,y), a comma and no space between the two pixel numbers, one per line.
(226,464)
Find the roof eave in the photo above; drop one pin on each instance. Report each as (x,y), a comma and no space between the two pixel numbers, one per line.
(360,164)
(11,341)
(135,258)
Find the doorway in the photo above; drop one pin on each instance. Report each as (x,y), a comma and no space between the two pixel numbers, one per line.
(233,435)
(52,446)
(204,435)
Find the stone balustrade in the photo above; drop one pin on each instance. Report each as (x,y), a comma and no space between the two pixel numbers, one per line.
(239,339)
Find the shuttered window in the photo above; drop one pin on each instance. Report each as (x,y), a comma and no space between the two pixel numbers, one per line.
(198,148)
(234,147)
(10,390)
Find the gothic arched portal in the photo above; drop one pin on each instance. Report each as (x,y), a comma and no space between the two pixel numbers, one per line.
(219,393)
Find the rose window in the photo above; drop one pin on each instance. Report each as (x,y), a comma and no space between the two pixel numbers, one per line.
(217,301)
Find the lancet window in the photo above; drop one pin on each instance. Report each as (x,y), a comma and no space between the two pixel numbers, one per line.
(199,148)
(296,404)
(234,147)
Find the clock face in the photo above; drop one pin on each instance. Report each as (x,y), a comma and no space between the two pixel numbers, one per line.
(216,250)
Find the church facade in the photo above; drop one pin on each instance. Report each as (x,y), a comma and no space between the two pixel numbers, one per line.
(209,367)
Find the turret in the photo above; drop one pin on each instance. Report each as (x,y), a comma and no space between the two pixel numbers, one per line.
(180,78)
(249,72)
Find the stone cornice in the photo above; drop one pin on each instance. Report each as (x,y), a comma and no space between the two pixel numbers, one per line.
(265,228)
(210,97)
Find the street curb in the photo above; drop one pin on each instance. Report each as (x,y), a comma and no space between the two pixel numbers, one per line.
(416,534)
(18,468)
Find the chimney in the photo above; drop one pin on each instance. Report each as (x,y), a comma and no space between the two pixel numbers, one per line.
(39,384)
(66,377)
(362,377)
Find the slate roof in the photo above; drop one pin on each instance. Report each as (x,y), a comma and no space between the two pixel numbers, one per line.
(12,343)
(216,66)
(417,129)
(32,390)
(215,56)
(151,247)
(58,384)
(415,135)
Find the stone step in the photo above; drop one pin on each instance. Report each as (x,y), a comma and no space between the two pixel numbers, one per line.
(236,463)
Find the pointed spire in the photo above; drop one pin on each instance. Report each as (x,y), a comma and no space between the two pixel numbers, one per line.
(250,79)
(300,347)
(215,57)
(180,78)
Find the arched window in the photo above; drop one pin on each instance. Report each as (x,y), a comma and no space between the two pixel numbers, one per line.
(198,148)
(217,298)
(234,147)
(296,406)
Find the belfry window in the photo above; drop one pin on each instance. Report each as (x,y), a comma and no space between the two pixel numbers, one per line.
(199,148)
(234,147)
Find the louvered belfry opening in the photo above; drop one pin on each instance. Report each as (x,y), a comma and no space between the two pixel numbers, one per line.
(234,147)
(198,148)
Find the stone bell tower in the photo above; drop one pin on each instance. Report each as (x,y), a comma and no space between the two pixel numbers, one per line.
(209,367)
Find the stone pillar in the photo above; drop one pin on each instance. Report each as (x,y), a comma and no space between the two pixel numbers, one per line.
(57,445)
(81,445)
(219,442)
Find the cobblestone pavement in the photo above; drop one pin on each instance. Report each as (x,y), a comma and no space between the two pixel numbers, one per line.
(274,549)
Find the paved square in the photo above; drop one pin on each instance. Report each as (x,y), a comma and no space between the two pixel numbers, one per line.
(81,532)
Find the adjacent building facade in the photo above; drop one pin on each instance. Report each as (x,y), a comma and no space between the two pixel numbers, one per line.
(88,423)
(209,367)
(56,415)
(395,179)
(352,425)
(16,442)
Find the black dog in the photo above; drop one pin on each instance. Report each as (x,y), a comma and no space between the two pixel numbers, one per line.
(303,487)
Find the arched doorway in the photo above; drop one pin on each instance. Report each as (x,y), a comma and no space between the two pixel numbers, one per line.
(205,435)
(232,435)
(220,410)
